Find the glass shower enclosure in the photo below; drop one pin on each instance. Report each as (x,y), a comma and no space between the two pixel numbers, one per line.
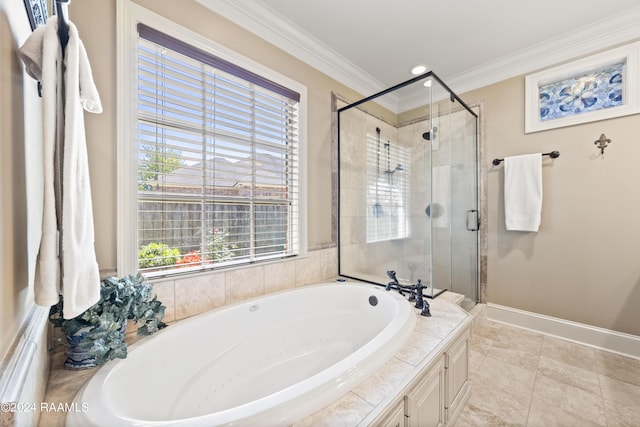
(408,180)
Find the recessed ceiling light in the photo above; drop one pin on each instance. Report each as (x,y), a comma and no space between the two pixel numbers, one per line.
(418,69)
(427,83)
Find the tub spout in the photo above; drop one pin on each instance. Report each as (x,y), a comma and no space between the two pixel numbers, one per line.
(395,284)
(394,278)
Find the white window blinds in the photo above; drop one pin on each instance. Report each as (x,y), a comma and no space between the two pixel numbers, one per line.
(217,156)
(388,187)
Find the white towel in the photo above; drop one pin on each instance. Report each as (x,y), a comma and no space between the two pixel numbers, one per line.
(523,192)
(64,125)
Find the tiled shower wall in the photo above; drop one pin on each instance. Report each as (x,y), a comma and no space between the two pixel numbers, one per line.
(185,297)
(408,257)
(361,259)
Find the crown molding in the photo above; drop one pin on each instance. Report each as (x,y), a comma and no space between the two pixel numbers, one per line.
(259,19)
(616,30)
(262,21)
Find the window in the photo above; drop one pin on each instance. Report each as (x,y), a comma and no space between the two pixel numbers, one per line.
(217,159)
(387,190)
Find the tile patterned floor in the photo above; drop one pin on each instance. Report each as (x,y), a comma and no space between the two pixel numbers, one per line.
(521,378)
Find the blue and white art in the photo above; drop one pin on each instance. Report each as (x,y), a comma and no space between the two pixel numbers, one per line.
(582,94)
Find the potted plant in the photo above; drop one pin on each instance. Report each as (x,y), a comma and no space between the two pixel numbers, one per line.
(97,335)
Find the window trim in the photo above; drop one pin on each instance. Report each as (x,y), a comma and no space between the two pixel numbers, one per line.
(128,16)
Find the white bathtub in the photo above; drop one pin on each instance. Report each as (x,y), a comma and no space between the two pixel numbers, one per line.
(269,361)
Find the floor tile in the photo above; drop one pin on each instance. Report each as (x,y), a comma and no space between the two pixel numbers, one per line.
(478,349)
(580,403)
(520,339)
(517,347)
(619,414)
(541,414)
(620,391)
(489,330)
(502,390)
(520,378)
(473,416)
(569,374)
(480,344)
(570,353)
(619,367)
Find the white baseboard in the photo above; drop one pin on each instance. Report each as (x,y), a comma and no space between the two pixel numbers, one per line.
(25,377)
(604,339)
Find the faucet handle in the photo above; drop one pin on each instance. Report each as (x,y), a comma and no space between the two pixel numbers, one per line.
(425,310)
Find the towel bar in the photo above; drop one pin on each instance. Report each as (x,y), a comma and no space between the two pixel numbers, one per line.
(552,154)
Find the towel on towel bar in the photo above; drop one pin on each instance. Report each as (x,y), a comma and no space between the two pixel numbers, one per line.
(523,192)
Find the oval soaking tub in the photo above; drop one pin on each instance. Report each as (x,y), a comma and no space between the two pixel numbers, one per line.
(267,361)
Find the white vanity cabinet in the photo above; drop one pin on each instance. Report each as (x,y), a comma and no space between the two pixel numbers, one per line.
(457,372)
(395,418)
(438,394)
(425,405)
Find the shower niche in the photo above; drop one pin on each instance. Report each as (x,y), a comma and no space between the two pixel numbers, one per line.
(407,179)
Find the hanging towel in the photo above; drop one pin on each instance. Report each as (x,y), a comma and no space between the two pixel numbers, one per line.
(67,243)
(523,192)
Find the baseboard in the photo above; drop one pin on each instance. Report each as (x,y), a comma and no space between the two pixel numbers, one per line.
(604,339)
(23,382)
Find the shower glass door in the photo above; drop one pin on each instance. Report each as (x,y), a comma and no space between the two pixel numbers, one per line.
(408,190)
(454,197)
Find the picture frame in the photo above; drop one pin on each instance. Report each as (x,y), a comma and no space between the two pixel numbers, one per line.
(37,11)
(598,87)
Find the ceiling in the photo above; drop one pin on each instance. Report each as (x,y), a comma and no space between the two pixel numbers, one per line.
(371,45)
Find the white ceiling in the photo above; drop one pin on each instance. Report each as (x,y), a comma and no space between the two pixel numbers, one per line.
(371,45)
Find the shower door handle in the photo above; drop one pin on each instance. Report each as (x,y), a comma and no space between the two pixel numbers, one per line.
(473,220)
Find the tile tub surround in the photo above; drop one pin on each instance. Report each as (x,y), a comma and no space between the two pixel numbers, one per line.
(197,293)
(369,397)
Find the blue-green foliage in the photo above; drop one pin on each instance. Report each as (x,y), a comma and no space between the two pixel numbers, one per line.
(103,324)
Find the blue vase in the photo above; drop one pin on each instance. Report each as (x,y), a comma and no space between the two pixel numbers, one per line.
(78,359)
(81,359)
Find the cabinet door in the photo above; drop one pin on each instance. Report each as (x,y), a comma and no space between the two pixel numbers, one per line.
(457,370)
(395,418)
(425,403)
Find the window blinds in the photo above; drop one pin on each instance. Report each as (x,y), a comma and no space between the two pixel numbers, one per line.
(388,189)
(217,160)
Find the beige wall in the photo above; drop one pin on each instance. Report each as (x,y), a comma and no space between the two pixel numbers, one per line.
(15,295)
(584,263)
(97,26)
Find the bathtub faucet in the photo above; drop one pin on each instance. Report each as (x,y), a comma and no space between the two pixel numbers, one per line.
(415,292)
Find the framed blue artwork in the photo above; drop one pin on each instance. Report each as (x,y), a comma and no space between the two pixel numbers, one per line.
(598,87)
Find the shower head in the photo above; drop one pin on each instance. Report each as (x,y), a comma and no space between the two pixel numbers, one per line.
(398,168)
